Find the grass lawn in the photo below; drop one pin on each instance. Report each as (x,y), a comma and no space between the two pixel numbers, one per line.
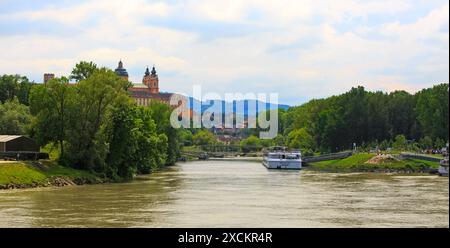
(20,173)
(24,173)
(357,162)
(52,150)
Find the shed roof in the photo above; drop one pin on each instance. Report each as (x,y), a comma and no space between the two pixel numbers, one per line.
(6,138)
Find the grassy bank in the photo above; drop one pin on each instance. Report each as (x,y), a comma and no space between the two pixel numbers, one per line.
(46,173)
(358,162)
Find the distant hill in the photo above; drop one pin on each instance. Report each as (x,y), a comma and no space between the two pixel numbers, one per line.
(248,109)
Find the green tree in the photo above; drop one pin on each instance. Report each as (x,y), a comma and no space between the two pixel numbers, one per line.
(266,142)
(439,143)
(432,111)
(160,113)
(252,143)
(52,105)
(301,139)
(203,138)
(186,137)
(280,140)
(12,86)
(15,118)
(400,112)
(83,70)
(153,146)
(426,142)
(400,142)
(96,97)
(134,145)
(377,116)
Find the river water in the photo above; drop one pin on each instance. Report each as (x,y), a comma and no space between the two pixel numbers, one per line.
(236,194)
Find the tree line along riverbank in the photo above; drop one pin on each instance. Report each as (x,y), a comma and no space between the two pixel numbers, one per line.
(94,124)
(100,131)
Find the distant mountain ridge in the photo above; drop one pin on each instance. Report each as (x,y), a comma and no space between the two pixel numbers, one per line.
(221,105)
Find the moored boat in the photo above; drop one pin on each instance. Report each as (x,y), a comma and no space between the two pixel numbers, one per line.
(281,158)
(443,168)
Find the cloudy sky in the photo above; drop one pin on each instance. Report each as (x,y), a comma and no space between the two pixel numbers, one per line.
(302,49)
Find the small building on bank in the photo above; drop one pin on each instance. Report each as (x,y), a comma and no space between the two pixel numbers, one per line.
(17,143)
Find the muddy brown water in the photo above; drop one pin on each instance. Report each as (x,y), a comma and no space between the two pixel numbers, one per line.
(236,194)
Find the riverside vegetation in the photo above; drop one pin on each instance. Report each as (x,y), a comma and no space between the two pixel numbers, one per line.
(367,162)
(103,136)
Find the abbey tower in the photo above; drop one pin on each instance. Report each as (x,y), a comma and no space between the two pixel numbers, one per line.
(151,80)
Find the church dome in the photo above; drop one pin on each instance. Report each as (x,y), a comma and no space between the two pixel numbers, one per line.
(120,71)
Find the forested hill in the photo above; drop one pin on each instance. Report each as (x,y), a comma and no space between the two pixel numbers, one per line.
(366,118)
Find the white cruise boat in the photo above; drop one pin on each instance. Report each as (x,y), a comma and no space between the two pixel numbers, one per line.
(281,158)
(443,168)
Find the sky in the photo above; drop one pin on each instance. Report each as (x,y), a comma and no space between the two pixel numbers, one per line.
(300,49)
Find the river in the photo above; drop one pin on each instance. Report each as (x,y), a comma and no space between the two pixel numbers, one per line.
(236,194)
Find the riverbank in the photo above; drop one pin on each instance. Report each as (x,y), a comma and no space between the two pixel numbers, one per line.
(366,162)
(16,175)
(25,174)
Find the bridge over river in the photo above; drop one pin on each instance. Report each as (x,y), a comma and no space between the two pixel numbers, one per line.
(246,153)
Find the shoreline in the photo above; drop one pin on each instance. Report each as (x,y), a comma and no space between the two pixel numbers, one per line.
(46,173)
(56,182)
(59,182)
(26,175)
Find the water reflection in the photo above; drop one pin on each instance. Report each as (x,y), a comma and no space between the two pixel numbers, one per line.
(236,194)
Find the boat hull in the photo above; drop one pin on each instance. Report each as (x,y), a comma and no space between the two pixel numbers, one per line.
(283,164)
(443,171)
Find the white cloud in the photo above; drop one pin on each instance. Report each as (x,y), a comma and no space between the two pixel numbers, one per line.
(290,47)
(124,12)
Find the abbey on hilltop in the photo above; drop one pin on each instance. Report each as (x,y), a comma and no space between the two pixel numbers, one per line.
(146,91)
(143,92)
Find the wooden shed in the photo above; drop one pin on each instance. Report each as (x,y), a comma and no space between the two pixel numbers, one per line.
(16,143)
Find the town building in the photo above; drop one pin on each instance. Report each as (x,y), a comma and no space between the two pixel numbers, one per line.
(147,91)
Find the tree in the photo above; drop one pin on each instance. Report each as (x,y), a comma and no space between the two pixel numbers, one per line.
(301,139)
(160,113)
(203,138)
(97,125)
(363,117)
(378,116)
(52,104)
(266,142)
(96,97)
(426,142)
(432,111)
(186,137)
(251,143)
(12,86)
(15,118)
(280,140)
(134,145)
(153,147)
(439,143)
(400,142)
(400,113)
(83,70)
